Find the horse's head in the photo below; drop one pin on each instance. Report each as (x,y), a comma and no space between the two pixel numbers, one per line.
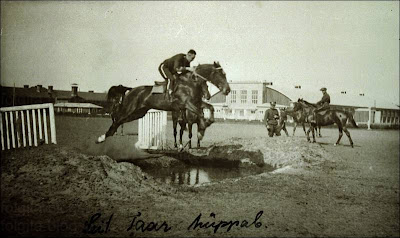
(216,75)
(297,105)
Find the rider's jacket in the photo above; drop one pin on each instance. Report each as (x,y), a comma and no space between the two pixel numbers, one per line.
(324,102)
(176,62)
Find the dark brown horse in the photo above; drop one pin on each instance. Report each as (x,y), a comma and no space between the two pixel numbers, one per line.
(191,118)
(298,118)
(325,118)
(140,99)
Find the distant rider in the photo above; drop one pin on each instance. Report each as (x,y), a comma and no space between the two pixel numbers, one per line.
(172,67)
(322,104)
(271,120)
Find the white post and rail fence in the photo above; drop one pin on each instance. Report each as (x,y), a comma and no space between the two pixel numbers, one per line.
(26,126)
(152,130)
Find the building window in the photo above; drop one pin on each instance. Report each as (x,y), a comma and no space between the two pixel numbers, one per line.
(254,96)
(243,96)
(233,96)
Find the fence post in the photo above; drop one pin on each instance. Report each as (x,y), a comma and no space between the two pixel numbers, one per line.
(369,118)
(52,124)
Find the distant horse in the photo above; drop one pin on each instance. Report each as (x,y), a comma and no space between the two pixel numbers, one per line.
(325,118)
(298,118)
(115,96)
(141,99)
(191,118)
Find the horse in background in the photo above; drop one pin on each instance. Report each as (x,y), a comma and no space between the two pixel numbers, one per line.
(325,118)
(298,118)
(141,99)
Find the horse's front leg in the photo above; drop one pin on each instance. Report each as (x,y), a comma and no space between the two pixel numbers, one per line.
(308,134)
(190,134)
(313,132)
(304,128)
(183,126)
(175,123)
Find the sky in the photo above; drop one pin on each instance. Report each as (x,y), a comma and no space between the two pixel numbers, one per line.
(344,46)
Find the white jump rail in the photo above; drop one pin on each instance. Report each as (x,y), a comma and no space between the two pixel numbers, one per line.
(152,130)
(26,124)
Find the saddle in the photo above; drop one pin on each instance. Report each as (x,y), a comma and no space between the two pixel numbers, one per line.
(159,87)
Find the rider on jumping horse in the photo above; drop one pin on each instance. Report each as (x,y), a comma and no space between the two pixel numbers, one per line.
(170,68)
(322,104)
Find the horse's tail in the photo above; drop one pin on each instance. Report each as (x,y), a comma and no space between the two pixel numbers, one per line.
(351,119)
(110,94)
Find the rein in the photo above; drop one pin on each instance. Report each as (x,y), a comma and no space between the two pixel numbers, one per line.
(202,77)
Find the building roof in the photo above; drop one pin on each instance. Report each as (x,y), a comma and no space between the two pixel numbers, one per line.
(88,96)
(337,98)
(78,105)
(25,92)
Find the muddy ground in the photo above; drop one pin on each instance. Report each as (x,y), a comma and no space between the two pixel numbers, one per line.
(315,189)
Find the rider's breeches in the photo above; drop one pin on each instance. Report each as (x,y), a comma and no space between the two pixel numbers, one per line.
(164,71)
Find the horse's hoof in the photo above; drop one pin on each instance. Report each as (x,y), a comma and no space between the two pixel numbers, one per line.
(180,148)
(101,139)
(352,146)
(334,144)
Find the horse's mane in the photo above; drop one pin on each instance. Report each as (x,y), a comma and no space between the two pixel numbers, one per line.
(309,104)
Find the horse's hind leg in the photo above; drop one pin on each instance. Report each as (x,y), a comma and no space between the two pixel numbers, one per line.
(348,135)
(119,121)
(294,127)
(340,135)
(304,128)
(319,131)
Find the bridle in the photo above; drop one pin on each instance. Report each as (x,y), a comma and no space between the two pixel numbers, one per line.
(202,77)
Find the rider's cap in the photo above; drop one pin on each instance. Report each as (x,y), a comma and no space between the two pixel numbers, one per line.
(191,51)
(323,89)
(273,103)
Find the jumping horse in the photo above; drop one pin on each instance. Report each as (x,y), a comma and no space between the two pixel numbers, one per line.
(186,97)
(325,118)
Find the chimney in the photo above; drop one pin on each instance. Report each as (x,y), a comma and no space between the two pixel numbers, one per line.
(38,88)
(50,89)
(26,86)
(74,90)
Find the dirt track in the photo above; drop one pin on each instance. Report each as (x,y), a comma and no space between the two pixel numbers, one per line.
(317,190)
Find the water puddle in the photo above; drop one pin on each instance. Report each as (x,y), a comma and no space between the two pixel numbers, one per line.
(189,175)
